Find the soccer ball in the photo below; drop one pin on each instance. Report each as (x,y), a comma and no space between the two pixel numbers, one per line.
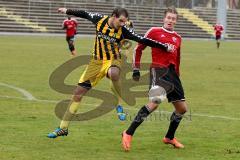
(157,94)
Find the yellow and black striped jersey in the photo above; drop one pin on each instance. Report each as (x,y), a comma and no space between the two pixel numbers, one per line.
(108,40)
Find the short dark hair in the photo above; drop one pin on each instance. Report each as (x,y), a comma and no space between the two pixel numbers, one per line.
(120,11)
(170,10)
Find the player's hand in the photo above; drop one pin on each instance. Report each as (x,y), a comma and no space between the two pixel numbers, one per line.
(62,10)
(136,75)
(170,47)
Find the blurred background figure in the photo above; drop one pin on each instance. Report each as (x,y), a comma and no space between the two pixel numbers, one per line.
(218,28)
(70,25)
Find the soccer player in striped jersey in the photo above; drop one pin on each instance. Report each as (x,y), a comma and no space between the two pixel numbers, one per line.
(164,80)
(106,57)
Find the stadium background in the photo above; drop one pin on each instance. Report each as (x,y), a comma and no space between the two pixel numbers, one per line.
(195,20)
(32,46)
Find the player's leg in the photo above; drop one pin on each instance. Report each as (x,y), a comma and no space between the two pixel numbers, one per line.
(141,115)
(73,106)
(218,40)
(176,117)
(218,43)
(71,46)
(113,73)
(79,92)
(157,94)
(86,82)
(138,120)
(176,97)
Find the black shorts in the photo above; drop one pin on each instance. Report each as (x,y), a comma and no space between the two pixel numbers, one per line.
(218,37)
(70,38)
(167,78)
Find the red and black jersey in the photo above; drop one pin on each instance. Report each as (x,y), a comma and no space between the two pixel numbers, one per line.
(70,26)
(218,29)
(160,57)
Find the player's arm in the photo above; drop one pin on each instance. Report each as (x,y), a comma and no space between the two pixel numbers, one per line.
(178,61)
(93,17)
(76,25)
(130,34)
(64,25)
(75,22)
(178,58)
(137,54)
(136,61)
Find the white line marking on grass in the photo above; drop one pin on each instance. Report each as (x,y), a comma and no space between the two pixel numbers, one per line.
(25,93)
(29,97)
(26,99)
(194,114)
(127,108)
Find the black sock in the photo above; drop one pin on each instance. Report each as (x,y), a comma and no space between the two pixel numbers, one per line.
(174,122)
(142,114)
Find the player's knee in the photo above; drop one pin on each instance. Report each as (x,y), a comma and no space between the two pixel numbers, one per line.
(77,98)
(71,46)
(114,73)
(78,94)
(114,76)
(152,106)
(182,110)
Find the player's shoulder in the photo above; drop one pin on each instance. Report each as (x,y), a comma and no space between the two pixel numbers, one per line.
(153,30)
(65,20)
(176,34)
(100,17)
(173,33)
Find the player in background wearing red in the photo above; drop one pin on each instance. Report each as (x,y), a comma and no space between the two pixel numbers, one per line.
(70,24)
(218,28)
(164,80)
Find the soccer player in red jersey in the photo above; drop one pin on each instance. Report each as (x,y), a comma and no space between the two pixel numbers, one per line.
(70,25)
(164,79)
(218,28)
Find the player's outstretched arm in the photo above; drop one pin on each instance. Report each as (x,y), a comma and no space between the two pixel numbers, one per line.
(130,34)
(93,17)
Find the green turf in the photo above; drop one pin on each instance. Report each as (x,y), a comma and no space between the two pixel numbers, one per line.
(210,78)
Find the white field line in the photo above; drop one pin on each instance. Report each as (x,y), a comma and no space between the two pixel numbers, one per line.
(127,108)
(25,93)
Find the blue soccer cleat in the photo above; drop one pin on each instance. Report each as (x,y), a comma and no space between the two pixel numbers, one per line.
(58,132)
(121,114)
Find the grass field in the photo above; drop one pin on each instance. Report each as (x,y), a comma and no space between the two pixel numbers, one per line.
(210,78)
